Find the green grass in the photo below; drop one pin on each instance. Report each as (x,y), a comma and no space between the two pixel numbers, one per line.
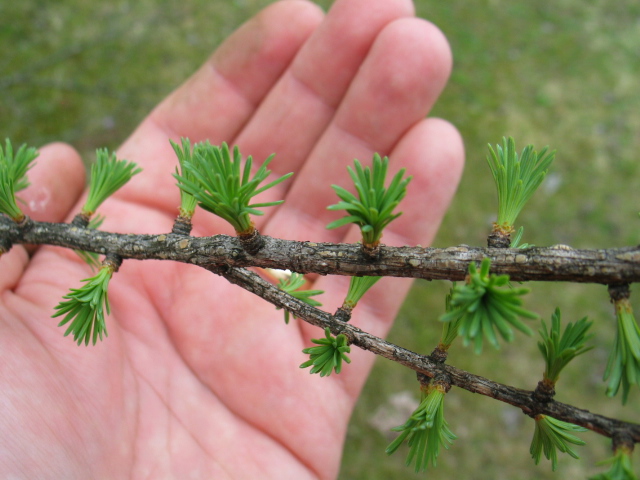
(558,73)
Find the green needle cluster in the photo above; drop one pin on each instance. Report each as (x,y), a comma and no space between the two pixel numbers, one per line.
(373,209)
(13,177)
(85,307)
(358,286)
(623,366)
(449,329)
(108,174)
(425,430)
(481,306)
(552,435)
(558,349)
(517,178)
(184,153)
(291,285)
(328,356)
(223,186)
(620,467)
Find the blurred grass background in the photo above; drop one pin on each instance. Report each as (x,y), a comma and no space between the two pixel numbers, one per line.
(563,73)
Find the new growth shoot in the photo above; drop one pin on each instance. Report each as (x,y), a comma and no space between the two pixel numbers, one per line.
(426,430)
(292,284)
(222,183)
(13,177)
(516,178)
(108,174)
(484,304)
(372,210)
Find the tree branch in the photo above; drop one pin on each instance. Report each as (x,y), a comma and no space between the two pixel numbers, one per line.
(556,263)
(225,256)
(425,364)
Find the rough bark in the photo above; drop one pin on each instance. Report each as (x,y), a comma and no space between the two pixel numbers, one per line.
(555,263)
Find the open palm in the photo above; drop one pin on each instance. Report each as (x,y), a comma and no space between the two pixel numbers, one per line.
(198,378)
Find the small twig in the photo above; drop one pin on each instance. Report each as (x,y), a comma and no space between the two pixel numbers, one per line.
(425,365)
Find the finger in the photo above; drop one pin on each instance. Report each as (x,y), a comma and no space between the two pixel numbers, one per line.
(435,152)
(396,86)
(219,98)
(297,111)
(56,183)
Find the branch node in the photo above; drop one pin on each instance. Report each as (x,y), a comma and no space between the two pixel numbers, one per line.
(621,439)
(112,261)
(441,380)
(343,313)
(499,239)
(544,392)
(439,354)
(423,379)
(619,291)
(251,242)
(371,251)
(81,220)
(182,225)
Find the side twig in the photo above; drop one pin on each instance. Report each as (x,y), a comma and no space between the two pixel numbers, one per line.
(424,364)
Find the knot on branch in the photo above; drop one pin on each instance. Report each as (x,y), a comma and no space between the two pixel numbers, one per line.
(622,440)
(619,291)
(182,225)
(24,225)
(251,242)
(371,251)
(112,261)
(544,392)
(499,239)
(343,313)
(439,354)
(81,220)
(441,380)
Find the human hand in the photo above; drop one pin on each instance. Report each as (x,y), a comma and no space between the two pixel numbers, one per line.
(197,377)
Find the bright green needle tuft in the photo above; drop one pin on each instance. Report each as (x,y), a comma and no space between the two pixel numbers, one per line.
(85,308)
(13,177)
(516,177)
(373,209)
(328,356)
(559,348)
(623,366)
(621,468)
(483,306)
(358,286)
(291,285)
(184,153)
(108,174)
(223,185)
(425,431)
(552,435)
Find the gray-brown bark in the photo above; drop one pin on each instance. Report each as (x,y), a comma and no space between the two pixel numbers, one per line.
(556,263)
